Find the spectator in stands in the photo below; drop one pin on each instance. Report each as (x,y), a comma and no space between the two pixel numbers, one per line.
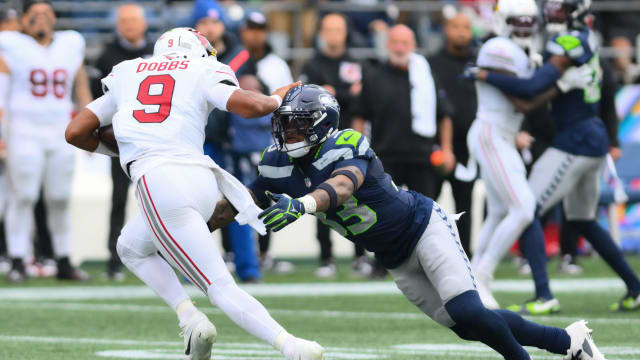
(334,69)
(237,240)
(130,42)
(9,19)
(446,67)
(399,98)
(271,73)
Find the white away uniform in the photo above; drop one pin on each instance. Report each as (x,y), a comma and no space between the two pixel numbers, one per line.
(38,110)
(159,108)
(491,141)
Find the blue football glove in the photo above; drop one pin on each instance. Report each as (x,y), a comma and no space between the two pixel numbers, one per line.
(285,211)
(470,72)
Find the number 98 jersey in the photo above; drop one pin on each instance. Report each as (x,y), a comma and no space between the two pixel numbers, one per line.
(41,76)
(379,216)
(160,107)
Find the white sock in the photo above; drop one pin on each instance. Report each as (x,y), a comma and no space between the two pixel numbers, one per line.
(244,310)
(285,343)
(185,310)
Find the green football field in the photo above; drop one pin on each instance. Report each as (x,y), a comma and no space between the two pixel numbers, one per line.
(353,319)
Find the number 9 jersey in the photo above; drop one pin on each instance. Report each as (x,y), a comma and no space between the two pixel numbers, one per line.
(159,108)
(41,76)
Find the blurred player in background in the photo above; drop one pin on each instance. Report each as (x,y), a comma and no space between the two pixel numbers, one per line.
(569,170)
(40,70)
(159,108)
(130,42)
(9,21)
(336,176)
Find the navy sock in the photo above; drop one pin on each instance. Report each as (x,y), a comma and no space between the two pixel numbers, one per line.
(474,322)
(608,250)
(532,248)
(528,333)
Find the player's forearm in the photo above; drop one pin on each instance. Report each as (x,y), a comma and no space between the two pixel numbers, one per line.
(249,104)
(223,215)
(82,91)
(81,131)
(544,78)
(445,129)
(528,105)
(343,188)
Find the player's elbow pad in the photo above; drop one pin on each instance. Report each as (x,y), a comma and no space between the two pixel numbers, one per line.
(542,79)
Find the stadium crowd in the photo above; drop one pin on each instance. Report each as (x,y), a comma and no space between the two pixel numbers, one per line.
(424,146)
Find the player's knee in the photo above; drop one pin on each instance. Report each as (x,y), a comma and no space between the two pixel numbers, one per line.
(126,254)
(466,308)
(57,204)
(221,286)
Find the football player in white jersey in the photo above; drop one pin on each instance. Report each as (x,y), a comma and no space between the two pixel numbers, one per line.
(39,70)
(158,108)
(511,204)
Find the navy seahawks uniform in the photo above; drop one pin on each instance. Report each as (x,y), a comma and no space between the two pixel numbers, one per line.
(579,130)
(379,216)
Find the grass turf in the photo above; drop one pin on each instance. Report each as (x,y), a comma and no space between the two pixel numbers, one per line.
(351,327)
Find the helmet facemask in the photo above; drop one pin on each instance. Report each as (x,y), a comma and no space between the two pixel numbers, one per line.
(522,30)
(295,132)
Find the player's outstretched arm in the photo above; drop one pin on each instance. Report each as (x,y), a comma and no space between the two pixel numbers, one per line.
(544,78)
(338,189)
(249,104)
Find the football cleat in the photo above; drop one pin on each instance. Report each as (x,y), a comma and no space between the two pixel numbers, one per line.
(199,335)
(538,306)
(568,266)
(307,350)
(582,345)
(73,274)
(360,267)
(326,271)
(630,302)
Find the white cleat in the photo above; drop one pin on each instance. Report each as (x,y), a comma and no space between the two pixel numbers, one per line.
(199,336)
(484,290)
(582,345)
(307,350)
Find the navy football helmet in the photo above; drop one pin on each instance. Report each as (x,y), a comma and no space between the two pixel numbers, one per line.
(309,114)
(564,15)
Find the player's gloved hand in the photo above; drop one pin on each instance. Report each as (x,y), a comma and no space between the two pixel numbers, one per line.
(576,78)
(285,211)
(470,73)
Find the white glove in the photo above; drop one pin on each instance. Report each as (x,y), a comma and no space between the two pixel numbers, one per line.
(575,78)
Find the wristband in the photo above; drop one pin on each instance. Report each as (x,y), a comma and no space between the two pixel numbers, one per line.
(277,98)
(309,204)
(333,196)
(104,150)
(349,174)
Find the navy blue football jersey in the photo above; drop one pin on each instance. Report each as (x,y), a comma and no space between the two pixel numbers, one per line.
(579,129)
(379,216)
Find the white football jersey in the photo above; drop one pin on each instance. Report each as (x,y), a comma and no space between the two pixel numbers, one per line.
(160,107)
(41,76)
(493,106)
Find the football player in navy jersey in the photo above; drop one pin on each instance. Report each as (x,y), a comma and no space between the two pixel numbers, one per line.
(314,169)
(569,169)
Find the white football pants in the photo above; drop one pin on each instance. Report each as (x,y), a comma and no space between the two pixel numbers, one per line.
(510,202)
(38,158)
(175,202)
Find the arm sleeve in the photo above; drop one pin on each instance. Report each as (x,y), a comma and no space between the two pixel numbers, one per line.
(104,108)
(218,95)
(542,79)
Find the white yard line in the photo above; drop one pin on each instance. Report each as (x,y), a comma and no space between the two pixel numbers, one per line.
(255,351)
(584,285)
(335,314)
